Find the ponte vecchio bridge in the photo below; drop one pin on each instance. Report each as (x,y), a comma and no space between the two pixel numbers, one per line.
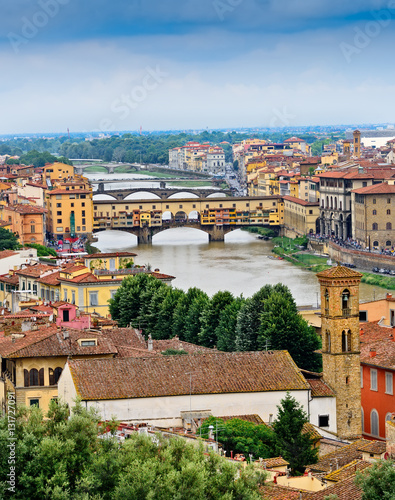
(216,216)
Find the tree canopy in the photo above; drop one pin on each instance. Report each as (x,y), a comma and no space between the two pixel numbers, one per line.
(378,482)
(267,320)
(61,458)
(291,443)
(8,240)
(240,436)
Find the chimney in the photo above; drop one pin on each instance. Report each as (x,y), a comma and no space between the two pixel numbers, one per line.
(372,353)
(150,343)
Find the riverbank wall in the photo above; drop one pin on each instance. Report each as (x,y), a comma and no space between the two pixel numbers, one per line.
(362,260)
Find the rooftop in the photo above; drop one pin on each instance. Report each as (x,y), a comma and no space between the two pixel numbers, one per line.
(214,373)
(339,272)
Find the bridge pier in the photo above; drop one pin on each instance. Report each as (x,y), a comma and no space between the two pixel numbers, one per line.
(144,236)
(216,234)
(110,170)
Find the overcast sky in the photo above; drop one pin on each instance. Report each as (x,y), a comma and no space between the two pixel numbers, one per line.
(166,64)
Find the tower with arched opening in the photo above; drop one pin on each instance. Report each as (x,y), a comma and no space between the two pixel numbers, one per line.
(340,345)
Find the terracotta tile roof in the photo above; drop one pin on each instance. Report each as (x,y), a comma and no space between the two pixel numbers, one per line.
(176,343)
(41,308)
(70,191)
(49,341)
(293,199)
(11,280)
(215,373)
(269,463)
(27,208)
(4,254)
(339,457)
(277,492)
(51,279)
(377,447)
(127,337)
(339,272)
(132,272)
(34,270)
(110,254)
(347,470)
(4,223)
(319,389)
(345,490)
(383,188)
(309,428)
(87,277)
(377,345)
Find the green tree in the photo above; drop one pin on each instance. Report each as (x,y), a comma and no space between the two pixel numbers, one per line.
(61,458)
(226,329)
(284,329)
(182,310)
(378,482)
(293,445)
(130,304)
(211,316)
(193,321)
(8,240)
(163,328)
(239,436)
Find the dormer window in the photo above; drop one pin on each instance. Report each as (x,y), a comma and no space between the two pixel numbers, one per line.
(87,342)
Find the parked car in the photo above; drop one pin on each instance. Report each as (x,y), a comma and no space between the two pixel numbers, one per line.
(376,270)
(392,272)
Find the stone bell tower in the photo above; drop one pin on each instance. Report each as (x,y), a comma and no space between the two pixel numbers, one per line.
(340,345)
(357,143)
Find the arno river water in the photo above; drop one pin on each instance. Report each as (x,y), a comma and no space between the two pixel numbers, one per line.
(241,264)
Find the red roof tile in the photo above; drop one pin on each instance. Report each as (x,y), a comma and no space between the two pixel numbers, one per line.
(122,378)
(339,272)
(383,188)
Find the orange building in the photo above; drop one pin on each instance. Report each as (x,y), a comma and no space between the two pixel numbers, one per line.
(27,222)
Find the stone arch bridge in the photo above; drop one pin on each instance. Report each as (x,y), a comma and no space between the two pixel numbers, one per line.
(118,215)
(163,193)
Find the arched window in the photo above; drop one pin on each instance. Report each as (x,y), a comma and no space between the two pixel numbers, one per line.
(346,340)
(328,341)
(33,377)
(335,203)
(388,417)
(388,212)
(340,205)
(363,419)
(322,203)
(374,423)
(57,373)
(326,296)
(374,212)
(388,226)
(54,375)
(327,202)
(346,304)
(388,243)
(375,243)
(36,377)
(375,226)
(331,202)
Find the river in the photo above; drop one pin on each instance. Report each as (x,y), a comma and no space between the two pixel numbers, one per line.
(241,264)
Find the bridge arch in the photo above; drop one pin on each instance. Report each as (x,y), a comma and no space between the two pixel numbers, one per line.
(137,195)
(181,194)
(216,194)
(104,196)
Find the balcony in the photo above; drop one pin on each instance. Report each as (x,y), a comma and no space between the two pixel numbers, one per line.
(346,311)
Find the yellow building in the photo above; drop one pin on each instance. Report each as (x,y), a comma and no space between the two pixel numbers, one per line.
(91,290)
(110,261)
(70,209)
(300,216)
(58,172)
(32,362)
